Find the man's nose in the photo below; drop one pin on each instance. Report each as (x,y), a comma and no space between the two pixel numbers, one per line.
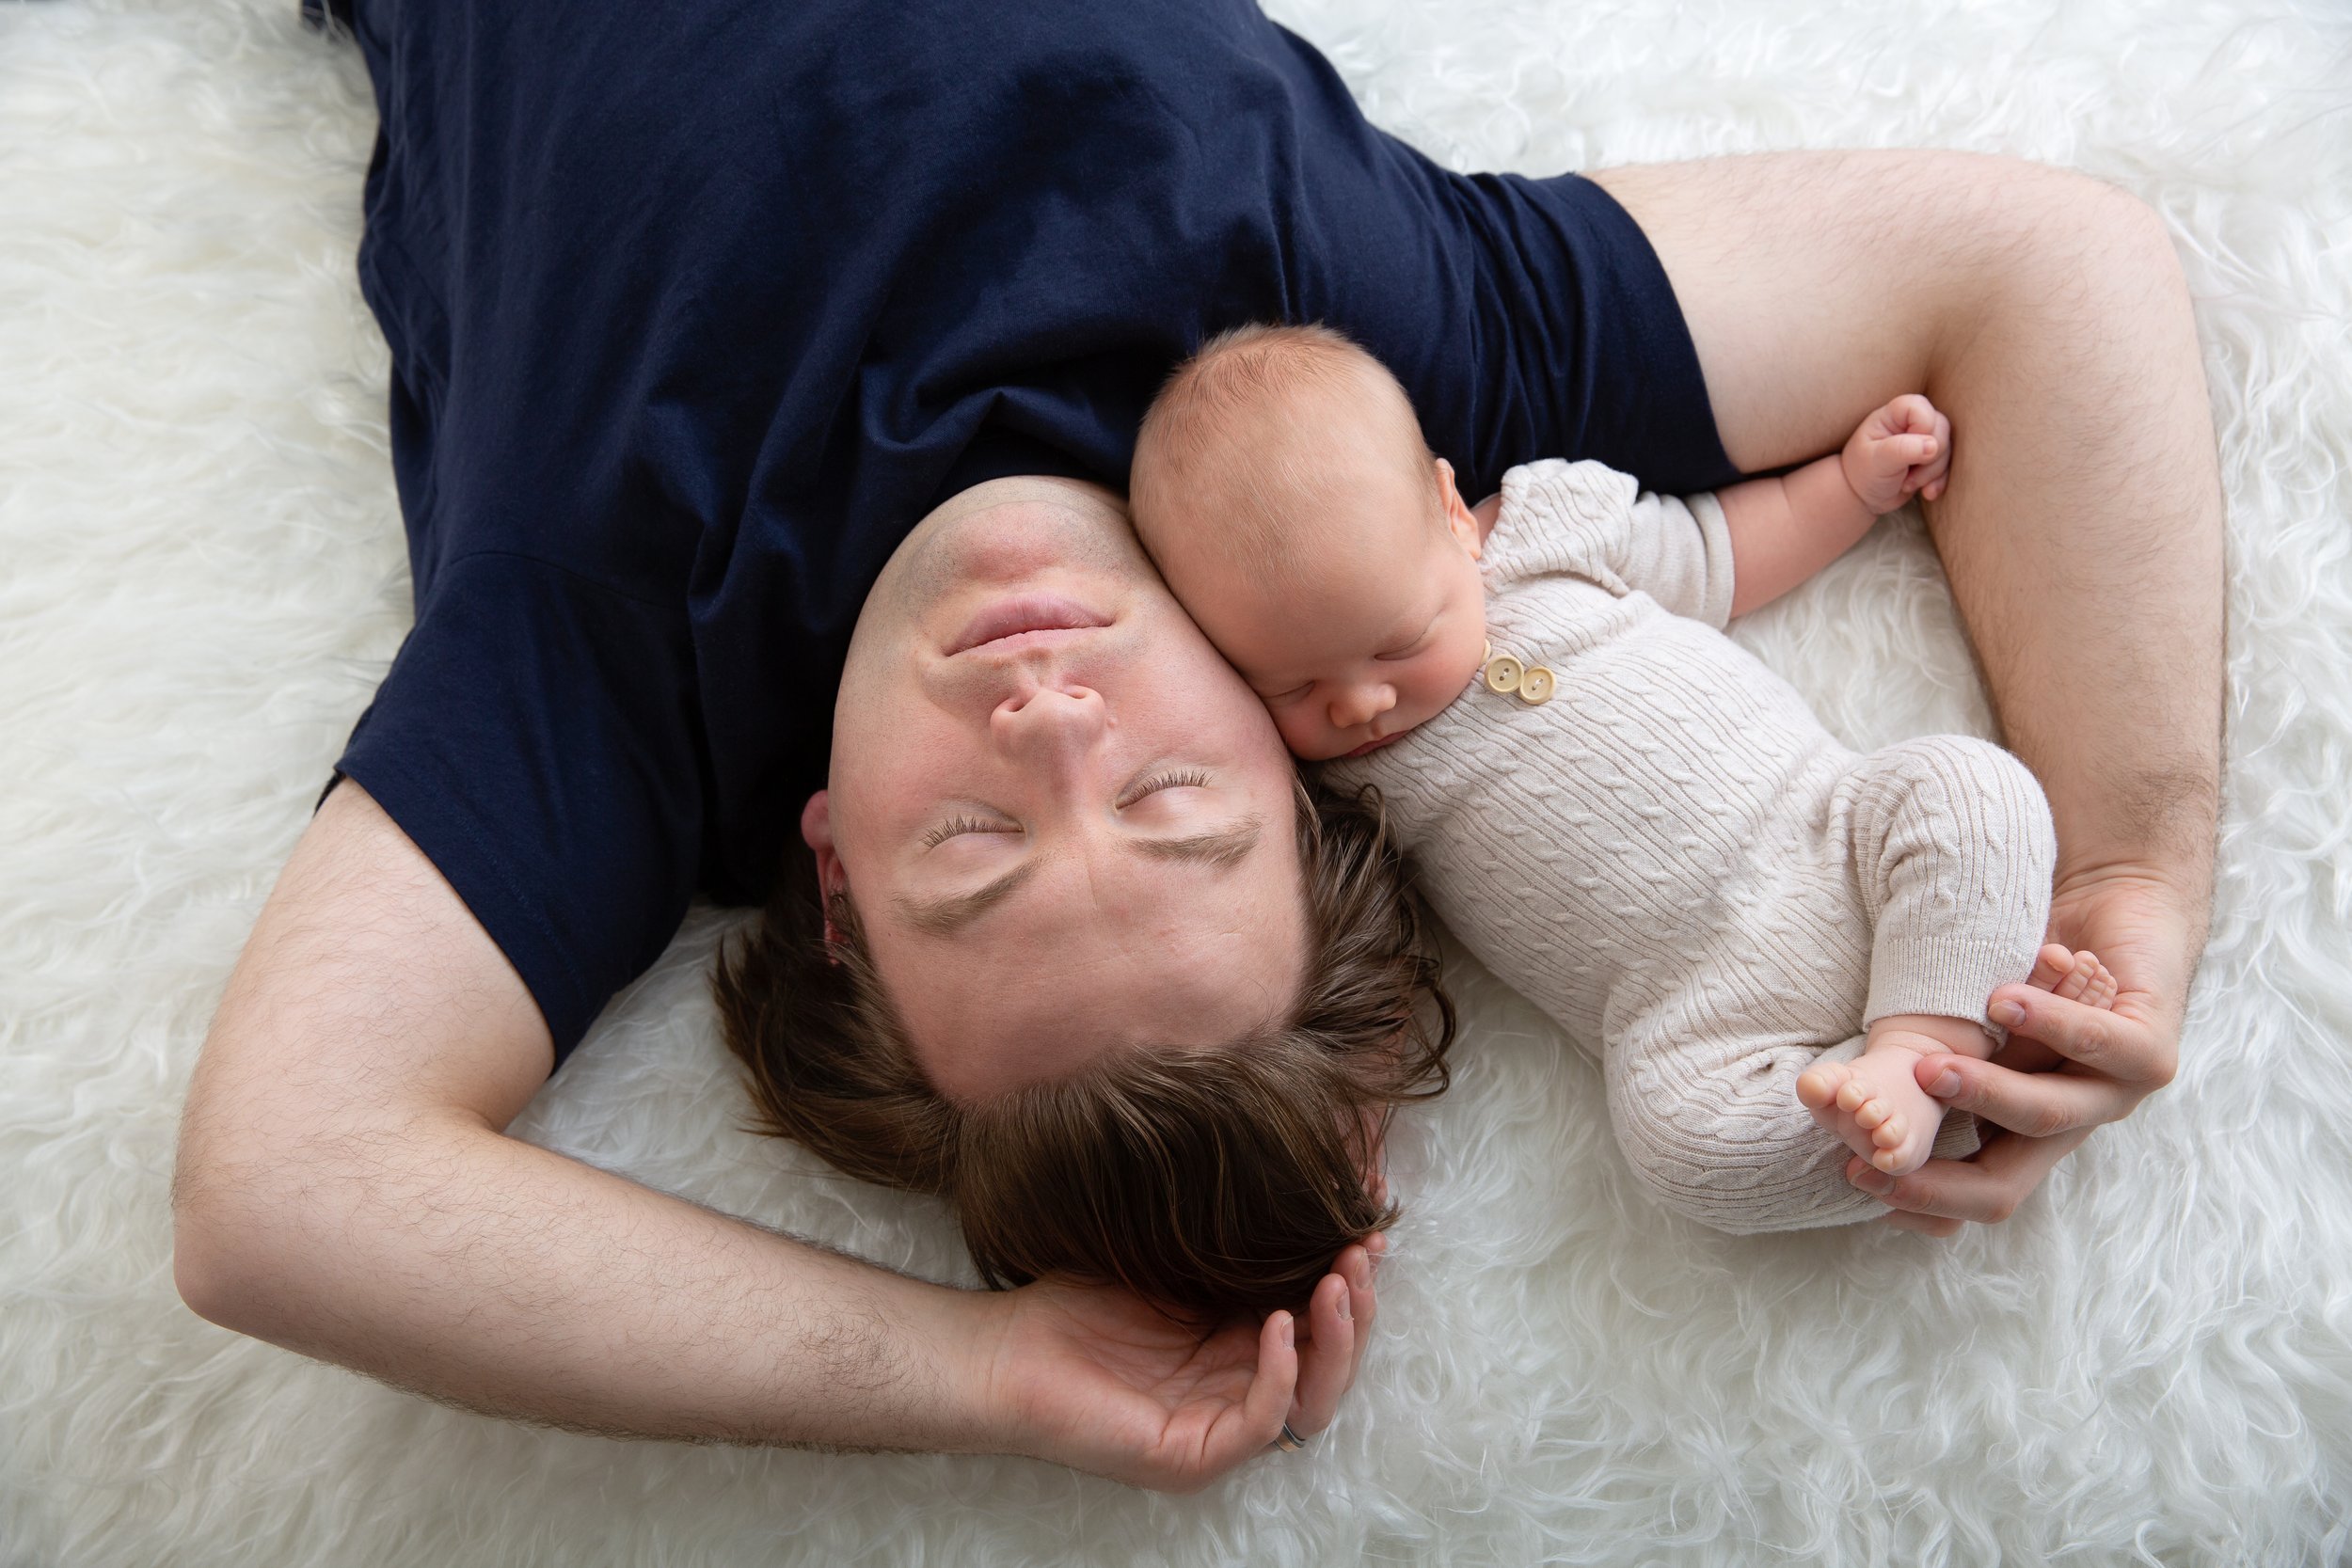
(1051,726)
(1361,704)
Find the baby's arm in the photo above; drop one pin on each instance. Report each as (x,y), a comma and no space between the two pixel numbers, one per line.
(1785,529)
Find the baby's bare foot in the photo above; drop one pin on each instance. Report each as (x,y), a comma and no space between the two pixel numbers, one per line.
(1875,1103)
(1875,1106)
(2077,977)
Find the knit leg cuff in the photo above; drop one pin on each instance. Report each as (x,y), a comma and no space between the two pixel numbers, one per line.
(1944,975)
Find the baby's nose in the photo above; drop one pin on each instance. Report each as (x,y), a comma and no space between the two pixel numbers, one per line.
(1361,704)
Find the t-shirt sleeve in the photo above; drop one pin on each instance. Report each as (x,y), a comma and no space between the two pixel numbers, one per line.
(535,738)
(1588,520)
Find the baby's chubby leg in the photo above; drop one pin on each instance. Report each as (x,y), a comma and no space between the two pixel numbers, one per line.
(1874,1102)
(1948,844)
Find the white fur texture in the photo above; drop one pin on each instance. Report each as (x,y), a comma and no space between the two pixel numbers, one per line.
(202,578)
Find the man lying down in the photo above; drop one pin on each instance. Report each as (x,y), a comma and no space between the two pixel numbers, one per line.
(695,317)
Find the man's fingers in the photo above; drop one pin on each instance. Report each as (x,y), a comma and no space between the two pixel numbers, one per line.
(1326,1364)
(2113,1042)
(2037,1104)
(1268,1403)
(1987,1188)
(1355,1266)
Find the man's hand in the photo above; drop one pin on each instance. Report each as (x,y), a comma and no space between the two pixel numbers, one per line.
(2067,1068)
(1904,450)
(1090,1377)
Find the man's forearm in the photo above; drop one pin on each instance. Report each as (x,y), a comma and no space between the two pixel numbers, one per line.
(489,1274)
(2085,556)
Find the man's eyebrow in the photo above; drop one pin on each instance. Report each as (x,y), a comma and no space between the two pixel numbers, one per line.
(945,917)
(1222,847)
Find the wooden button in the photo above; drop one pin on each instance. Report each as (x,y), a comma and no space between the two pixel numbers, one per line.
(1536,684)
(1502,673)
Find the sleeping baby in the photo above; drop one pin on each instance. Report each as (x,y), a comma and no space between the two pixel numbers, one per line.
(1626,816)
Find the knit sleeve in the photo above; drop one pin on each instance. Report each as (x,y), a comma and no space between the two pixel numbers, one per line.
(1591,521)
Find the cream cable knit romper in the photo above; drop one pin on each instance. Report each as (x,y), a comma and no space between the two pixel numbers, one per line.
(1672,859)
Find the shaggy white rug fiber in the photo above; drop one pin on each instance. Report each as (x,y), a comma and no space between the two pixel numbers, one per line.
(201,579)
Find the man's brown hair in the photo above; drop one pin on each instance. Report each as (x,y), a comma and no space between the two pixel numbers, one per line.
(1211,1183)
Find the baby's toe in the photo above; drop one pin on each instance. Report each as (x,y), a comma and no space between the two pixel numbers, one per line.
(2050,966)
(1818,1086)
(1872,1115)
(1851,1095)
(2078,979)
(2100,991)
(1890,1132)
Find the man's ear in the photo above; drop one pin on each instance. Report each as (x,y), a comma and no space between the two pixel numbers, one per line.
(1459,520)
(817,832)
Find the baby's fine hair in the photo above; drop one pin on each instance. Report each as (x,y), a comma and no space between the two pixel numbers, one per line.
(1211,1182)
(1244,428)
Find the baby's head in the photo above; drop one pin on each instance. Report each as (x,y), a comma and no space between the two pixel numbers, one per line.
(1284,491)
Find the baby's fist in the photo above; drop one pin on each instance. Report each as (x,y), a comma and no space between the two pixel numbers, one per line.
(1904,450)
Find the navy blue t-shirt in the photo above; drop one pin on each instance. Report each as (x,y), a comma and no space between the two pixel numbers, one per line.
(695,307)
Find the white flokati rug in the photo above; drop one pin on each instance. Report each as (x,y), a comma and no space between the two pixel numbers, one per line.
(202,578)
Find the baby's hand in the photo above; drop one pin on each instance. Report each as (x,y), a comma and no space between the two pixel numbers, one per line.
(1902,449)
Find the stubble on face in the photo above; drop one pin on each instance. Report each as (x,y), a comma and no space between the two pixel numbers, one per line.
(1045,523)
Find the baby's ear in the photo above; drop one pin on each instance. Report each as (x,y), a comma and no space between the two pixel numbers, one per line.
(1458,519)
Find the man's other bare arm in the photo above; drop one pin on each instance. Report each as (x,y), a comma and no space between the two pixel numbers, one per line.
(346,1190)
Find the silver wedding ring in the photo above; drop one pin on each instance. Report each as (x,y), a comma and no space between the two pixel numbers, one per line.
(1289,1442)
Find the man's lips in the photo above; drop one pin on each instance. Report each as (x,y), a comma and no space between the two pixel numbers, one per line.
(1023,619)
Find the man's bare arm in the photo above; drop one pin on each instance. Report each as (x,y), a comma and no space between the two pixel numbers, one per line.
(346,1190)
(2081,530)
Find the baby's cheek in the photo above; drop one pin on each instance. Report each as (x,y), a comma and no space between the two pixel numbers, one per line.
(1297,735)
(1308,740)
(1436,681)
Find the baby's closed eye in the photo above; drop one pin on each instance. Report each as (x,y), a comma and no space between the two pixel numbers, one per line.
(1288,694)
(1409,649)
